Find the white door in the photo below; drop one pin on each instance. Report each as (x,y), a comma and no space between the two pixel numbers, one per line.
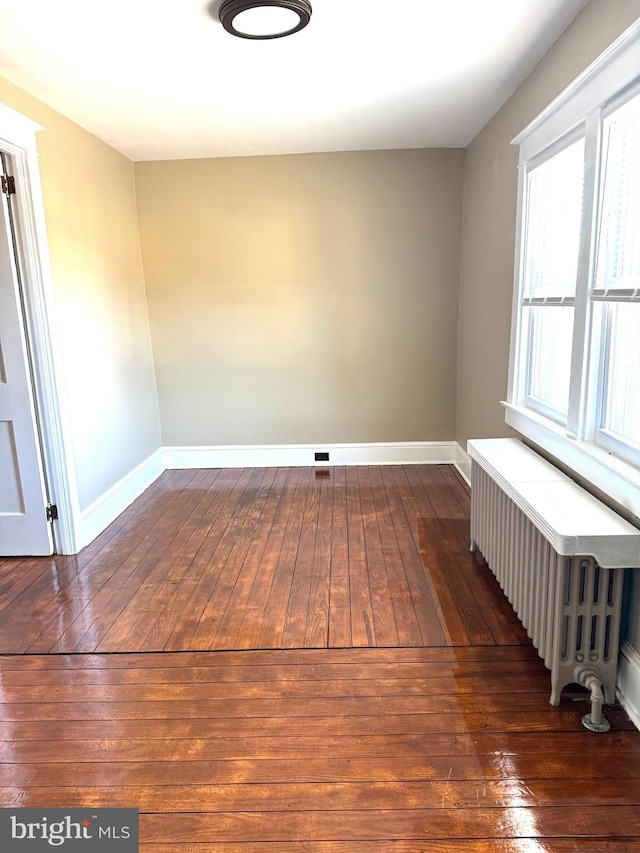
(24,529)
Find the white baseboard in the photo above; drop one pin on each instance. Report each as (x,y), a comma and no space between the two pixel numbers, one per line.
(291,455)
(99,515)
(629,682)
(462,462)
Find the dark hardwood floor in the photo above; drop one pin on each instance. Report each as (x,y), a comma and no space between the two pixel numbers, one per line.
(266,660)
(267,558)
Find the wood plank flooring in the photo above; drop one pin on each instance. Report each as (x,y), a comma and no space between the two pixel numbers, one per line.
(266,558)
(321,750)
(266,660)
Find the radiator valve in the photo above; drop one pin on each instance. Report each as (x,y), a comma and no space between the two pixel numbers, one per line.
(594,721)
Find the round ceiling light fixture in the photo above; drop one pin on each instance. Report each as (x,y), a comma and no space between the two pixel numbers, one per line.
(264,19)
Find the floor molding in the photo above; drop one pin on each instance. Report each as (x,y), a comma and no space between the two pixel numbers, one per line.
(99,515)
(292,455)
(629,682)
(462,461)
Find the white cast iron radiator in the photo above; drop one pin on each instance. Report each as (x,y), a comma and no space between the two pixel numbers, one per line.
(557,552)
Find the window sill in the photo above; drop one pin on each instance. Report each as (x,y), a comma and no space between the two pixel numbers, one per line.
(614,477)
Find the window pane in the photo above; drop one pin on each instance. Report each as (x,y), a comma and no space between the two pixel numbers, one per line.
(554,214)
(619,245)
(550,337)
(622,405)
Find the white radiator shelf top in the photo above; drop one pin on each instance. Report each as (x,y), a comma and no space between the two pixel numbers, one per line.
(573,521)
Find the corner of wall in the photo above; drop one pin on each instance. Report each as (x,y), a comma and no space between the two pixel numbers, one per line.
(462,462)
(99,515)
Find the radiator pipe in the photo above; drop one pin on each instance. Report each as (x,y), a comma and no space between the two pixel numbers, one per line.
(594,721)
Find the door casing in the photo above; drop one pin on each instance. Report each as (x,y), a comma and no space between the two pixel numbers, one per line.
(18,140)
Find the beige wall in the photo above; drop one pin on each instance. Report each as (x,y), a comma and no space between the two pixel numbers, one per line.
(487,255)
(301,299)
(99,294)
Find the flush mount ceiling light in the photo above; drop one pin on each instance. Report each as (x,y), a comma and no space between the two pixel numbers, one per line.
(264,19)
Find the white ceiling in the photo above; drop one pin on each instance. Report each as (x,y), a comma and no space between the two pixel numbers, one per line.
(161,79)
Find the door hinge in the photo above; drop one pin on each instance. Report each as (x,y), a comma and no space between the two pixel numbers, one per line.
(52,512)
(8,185)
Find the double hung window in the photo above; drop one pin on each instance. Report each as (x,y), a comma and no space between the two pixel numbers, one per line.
(553,217)
(616,292)
(575,354)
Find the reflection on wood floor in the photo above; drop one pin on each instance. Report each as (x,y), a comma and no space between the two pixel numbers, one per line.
(267,558)
(263,660)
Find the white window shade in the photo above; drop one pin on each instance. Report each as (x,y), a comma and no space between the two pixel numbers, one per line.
(554,213)
(619,244)
(621,415)
(551,332)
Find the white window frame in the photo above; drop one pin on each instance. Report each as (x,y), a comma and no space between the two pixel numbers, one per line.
(599,457)
(523,374)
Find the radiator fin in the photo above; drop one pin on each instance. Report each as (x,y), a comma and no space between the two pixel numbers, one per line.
(569,606)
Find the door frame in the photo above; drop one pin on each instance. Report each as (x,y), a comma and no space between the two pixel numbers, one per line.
(18,140)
